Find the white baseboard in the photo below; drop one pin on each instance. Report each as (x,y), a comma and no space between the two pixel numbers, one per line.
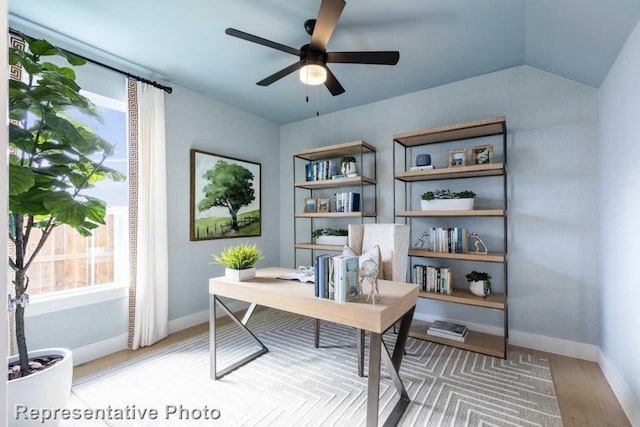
(194,319)
(105,347)
(99,349)
(527,340)
(620,388)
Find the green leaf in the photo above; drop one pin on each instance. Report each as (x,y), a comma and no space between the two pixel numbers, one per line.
(21,179)
(42,48)
(96,209)
(65,209)
(74,60)
(68,72)
(29,203)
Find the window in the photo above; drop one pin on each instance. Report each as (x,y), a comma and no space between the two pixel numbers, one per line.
(69,260)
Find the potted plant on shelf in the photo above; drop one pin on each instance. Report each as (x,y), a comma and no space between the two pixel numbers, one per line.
(330,236)
(480,283)
(348,166)
(239,261)
(447,200)
(53,159)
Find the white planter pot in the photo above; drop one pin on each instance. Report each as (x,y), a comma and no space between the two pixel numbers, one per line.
(447,204)
(349,168)
(47,389)
(477,288)
(332,240)
(240,275)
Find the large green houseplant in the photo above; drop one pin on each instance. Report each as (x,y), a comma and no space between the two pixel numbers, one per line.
(53,159)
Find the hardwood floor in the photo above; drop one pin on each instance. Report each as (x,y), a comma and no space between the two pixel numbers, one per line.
(584,396)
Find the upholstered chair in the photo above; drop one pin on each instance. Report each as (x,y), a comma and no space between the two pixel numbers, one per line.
(393,241)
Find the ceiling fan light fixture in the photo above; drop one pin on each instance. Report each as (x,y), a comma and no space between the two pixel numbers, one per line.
(313,74)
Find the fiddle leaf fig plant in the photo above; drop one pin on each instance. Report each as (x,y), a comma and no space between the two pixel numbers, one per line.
(54,159)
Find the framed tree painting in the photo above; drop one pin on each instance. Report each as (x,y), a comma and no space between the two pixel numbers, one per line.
(225,197)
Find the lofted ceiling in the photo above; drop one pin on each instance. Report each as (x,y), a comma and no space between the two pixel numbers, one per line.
(440,41)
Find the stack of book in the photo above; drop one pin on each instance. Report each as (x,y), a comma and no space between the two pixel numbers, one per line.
(318,171)
(448,330)
(337,277)
(433,279)
(346,202)
(452,240)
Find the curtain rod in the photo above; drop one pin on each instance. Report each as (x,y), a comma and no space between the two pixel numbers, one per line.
(167,89)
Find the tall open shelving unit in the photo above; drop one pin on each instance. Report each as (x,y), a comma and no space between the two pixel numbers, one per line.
(364,181)
(493,345)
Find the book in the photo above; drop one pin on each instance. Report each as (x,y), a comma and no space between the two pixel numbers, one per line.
(451,329)
(460,338)
(346,277)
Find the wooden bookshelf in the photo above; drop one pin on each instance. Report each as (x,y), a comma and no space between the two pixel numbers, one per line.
(469,256)
(467,130)
(336,150)
(335,183)
(492,345)
(434,213)
(463,296)
(317,247)
(473,171)
(336,215)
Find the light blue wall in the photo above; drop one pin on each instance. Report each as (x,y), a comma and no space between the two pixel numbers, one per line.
(196,121)
(619,179)
(553,242)
(192,121)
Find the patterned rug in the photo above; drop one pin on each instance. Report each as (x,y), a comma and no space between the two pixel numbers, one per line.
(297,385)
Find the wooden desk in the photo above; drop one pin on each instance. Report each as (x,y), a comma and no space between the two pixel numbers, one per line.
(397,303)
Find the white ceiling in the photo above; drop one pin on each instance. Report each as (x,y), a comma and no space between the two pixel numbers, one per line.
(440,41)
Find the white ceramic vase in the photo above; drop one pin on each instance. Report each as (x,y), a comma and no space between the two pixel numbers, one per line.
(447,204)
(349,168)
(46,389)
(240,275)
(477,288)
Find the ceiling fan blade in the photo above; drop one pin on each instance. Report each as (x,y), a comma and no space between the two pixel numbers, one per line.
(280,74)
(259,40)
(333,84)
(381,57)
(326,21)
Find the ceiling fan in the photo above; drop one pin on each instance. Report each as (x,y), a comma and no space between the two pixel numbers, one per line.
(314,56)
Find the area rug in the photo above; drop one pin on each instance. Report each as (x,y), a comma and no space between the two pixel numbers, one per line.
(295,384)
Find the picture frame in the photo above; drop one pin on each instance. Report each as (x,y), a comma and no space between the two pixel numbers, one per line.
(310,205)
(482,155)
(457,158)
(220,211)
(323,205)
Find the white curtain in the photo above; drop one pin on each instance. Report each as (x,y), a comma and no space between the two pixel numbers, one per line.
(152,277)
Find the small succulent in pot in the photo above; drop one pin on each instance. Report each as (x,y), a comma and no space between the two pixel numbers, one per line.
(481,278)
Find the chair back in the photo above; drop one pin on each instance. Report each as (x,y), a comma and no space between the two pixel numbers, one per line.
(393,240)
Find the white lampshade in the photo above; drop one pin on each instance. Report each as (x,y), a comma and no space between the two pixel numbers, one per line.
(313,74)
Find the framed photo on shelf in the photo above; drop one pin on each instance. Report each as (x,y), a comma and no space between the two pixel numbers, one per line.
(323,205)
(457,158)
(482,155)
(310,205)
(219,210)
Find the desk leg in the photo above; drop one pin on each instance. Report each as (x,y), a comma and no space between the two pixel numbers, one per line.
(316,333)
(360,340)
(373,383)
(214,374)
(378,352)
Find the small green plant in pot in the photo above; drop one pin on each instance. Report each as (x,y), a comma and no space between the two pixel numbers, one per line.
(447,200)
(239,261)
(480,283)
(330,236)
(348,165)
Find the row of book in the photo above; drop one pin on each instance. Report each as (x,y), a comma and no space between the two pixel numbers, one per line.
(452,331)
(326,169)
(433,279)
(452,240)
(337,277)
(346,202)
